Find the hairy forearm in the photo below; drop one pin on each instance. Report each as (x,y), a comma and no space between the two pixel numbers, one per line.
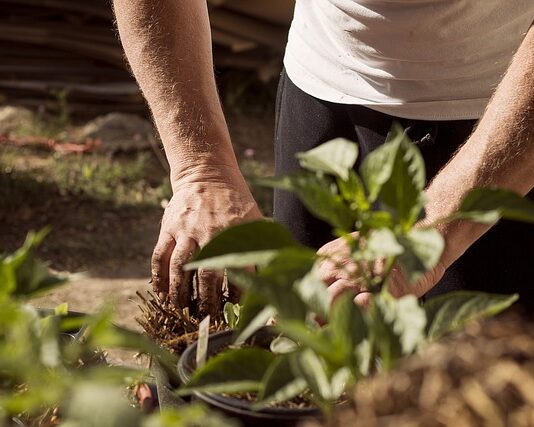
(168,46)
(499,153)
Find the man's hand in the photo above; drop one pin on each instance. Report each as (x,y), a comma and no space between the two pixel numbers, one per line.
(341,274)
(199,208)
(168,46)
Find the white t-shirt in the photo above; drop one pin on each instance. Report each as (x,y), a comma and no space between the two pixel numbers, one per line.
(420,59)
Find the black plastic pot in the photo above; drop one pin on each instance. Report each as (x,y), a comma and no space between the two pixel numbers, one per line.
(241,409)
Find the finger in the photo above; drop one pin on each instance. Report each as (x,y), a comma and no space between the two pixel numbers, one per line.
(330,272)
(209,292)
(363,299)
(341,287)
(160,264)
(180,281)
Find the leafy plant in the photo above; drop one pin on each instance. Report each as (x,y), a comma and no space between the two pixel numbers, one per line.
(383,204)
(48,375)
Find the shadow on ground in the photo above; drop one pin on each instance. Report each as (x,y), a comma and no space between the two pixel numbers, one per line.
(86,234)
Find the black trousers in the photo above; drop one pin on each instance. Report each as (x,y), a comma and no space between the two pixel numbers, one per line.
(501,261)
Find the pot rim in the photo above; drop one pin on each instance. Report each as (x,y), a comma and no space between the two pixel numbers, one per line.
(238,405)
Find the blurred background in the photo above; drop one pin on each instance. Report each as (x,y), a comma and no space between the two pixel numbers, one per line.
(78,150)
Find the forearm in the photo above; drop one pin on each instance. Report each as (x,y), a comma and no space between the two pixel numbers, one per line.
(168,46)
(499,153)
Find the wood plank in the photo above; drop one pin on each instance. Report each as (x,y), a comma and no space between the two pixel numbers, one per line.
(269,35)
(231,41)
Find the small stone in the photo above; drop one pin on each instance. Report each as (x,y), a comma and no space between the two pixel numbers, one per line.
(120,132)
(15,119)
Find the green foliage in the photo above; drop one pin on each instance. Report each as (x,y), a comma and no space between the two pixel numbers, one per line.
(236,370)
(336,157)
(43,366)
(451,312)
(231,314)
(237,247)
(325,347)
(319,194)
(488,205)
(22,274)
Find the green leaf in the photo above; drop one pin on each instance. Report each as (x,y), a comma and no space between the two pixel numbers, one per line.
(254,241)
(97,405)
(377,166)
(395,172)
(339,382)
(319,195)
(353,191)
(407,318)
(254,314)
(236,370)
(347,326)
(488,205)
(381,243)
(375,220)
(231,314)
(23,274)
(61,309)
(280,382)
(288,265)
(283,345)
(234,260)
(452,311)
(304,336)
(336,157)
(422,251)
(312,290)
(313,369)
(277,290)
(404,191)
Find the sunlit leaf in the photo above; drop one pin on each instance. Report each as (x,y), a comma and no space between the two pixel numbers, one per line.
(244,244)
(488,205)
(255,313)
(283,345)
(381,243)
(395,173)
(231,314)
(452,311)
(318,194)
(347,326)
(280,382)
(422,251)
(313,369)
(336,157)
(312,290)
(234,260)
(304,336)
(407,318)
(353,191)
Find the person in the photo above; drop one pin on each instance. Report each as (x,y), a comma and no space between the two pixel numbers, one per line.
(459,76)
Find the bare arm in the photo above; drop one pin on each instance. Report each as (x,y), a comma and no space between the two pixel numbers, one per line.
(168,45)
(499,153)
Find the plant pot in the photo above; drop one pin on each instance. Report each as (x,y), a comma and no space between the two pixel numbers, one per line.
(237,408)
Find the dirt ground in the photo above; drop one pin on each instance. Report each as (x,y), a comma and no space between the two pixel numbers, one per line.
(109,240)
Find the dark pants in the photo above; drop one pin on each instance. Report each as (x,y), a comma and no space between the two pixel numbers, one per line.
(501,261)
